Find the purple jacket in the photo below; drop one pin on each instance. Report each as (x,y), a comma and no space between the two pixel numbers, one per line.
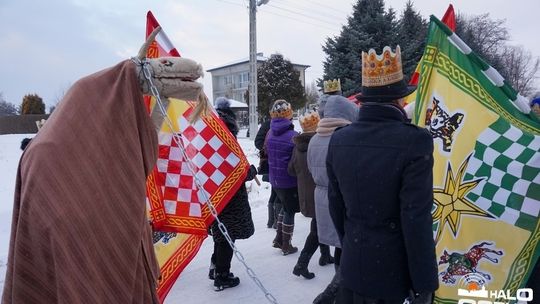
(279,147)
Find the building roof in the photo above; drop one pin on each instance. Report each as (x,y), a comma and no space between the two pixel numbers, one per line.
(260,58)
(235,104)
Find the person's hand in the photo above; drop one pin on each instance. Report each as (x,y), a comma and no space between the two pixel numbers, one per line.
(423,298)
(252,172)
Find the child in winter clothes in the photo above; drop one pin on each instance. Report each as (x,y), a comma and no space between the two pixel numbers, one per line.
(306,186)
(236,216)
(279,147)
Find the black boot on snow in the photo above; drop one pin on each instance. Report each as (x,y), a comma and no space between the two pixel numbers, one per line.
(225,280)
(301,269)
(212,271)
(325,258)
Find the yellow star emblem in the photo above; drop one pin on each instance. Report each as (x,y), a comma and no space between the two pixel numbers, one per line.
(451,203)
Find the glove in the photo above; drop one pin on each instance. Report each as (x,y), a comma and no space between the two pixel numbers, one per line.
(422,298)
(252,172)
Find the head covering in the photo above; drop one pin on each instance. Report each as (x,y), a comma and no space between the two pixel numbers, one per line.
(309,121)
(535,101)
(382,76)
(331,86)
(340,107)
(322,104)
(25,143)
(226,114)
(222,103)
(281,109)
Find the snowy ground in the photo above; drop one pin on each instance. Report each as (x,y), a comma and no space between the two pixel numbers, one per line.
(193,286)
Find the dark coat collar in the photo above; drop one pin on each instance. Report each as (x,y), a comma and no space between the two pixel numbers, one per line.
(377,112)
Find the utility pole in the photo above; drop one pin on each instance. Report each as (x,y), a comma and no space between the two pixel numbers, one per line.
(253,114)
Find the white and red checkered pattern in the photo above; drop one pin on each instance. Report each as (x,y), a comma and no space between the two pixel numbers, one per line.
(174,203)
(211,159)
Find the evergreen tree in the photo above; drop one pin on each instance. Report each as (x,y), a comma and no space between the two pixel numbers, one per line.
(32,104)
(277,79)
(411,37)
(370,26)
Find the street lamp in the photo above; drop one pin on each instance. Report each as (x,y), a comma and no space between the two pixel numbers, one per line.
(253,115)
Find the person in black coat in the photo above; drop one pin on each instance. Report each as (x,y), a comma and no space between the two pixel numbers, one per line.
(236,216)
(381,194)
(274,204)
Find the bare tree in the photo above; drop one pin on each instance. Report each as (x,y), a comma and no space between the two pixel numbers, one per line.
(487,37)
(7,108)
(521,69)
(59,96)
(312,93)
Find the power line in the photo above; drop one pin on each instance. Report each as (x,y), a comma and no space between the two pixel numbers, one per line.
(232,3)
(289,17)
(327,14)
(302,14)
(328,7)
(298,20)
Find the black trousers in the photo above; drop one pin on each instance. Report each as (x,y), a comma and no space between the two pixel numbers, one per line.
(222,257)
(337,256)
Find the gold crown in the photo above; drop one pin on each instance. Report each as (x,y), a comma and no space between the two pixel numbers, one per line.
(333,85)
(381,70)
(309,121)
(281,108)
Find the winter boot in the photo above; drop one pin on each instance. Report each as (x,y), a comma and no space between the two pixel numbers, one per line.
(328,296)
(301,267)
(225,280)
(286,246)
(212,271)
(325,258)
(278,240)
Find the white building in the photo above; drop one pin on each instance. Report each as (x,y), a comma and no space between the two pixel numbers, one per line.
(232,80)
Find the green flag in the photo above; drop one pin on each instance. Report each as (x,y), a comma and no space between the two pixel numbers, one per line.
(486,173)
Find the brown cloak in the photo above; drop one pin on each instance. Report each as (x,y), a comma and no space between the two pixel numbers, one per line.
(79,231)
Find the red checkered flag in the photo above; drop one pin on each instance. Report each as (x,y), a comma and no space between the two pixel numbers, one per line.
(198,163)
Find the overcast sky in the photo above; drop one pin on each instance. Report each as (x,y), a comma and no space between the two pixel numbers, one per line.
(48,45)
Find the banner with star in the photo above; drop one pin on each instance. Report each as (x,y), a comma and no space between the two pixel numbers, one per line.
(486,170)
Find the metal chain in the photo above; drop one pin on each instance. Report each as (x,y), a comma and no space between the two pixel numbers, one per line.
(176,137)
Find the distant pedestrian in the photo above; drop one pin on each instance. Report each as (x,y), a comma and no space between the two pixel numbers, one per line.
(274,205)
(535,106)
(25,143)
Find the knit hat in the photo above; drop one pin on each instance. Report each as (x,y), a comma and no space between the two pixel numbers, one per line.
(309,121)
(535,101)
(222,103)
(340,107)
(281,109)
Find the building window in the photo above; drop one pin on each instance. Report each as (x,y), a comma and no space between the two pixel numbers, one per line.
(237,96)
(243,79)
(227,79)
